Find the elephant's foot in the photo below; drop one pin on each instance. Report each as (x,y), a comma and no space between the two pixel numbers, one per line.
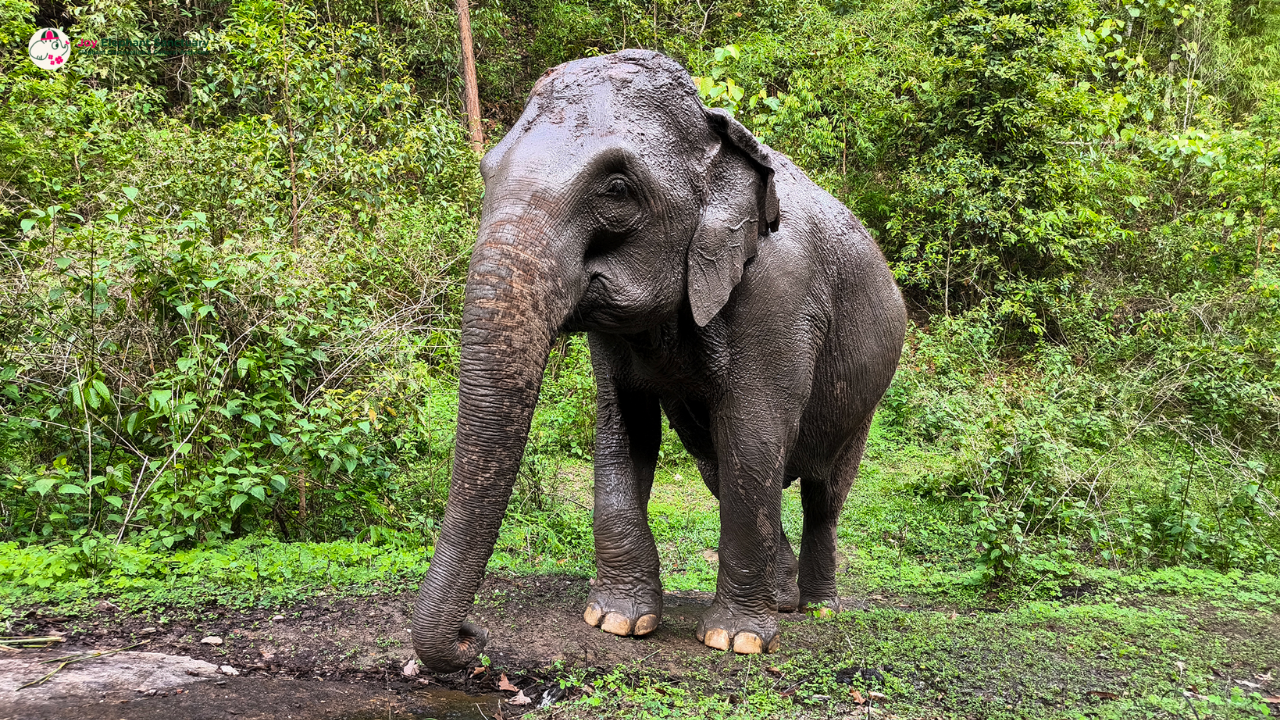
(723,628)
(635,611)
(821,607)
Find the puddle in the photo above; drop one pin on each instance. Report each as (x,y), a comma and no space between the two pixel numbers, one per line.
(435,705)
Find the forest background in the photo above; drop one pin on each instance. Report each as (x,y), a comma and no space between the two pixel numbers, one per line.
(230,284)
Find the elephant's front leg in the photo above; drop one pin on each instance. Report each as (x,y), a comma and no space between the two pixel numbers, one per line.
(627,596)
(752,458)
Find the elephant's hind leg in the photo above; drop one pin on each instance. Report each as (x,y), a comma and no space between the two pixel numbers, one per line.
(822,501)
(788,568)
(626,598)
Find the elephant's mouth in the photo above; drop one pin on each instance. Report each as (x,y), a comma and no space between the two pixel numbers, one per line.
(589,314)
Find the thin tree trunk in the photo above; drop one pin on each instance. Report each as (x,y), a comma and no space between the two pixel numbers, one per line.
(470,94)
(293,163)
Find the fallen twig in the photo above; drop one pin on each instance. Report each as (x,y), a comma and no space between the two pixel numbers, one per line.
(69,659)
(9,643)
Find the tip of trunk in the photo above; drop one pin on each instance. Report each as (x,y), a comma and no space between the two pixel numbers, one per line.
(458,654)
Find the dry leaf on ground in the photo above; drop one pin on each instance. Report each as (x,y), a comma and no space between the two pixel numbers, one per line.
(505,684)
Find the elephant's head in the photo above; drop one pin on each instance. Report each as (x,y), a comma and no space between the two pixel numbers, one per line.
(615,202)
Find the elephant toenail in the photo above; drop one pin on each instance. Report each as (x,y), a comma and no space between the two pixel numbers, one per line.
(774,644)
(616,624)
(592,615)
(717,638)
(646,624)
(747,643)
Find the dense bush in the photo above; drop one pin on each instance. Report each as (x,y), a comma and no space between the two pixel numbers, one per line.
(231,282)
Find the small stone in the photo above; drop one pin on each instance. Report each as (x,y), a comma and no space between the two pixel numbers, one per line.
(277,618)
(228,670)
(211,640)
(147,631)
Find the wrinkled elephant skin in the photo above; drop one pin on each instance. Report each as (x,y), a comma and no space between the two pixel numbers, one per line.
(717,284)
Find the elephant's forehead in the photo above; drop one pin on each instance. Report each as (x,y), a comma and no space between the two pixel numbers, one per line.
(568,136)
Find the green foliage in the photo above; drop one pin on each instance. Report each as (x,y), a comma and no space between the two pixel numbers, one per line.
(231,282)
(255,571)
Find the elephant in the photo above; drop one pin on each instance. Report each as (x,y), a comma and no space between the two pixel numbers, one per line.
(717,284)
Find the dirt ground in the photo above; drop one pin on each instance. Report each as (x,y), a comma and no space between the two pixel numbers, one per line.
(345,657)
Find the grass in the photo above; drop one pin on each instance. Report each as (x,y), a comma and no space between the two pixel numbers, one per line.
(1045,659)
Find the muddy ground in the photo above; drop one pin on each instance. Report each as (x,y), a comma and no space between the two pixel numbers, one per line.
(345,657)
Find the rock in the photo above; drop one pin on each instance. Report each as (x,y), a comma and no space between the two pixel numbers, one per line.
(228,670)
(86,682)
(211,640)
(277,618)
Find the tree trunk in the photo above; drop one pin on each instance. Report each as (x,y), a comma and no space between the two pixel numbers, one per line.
(470,94)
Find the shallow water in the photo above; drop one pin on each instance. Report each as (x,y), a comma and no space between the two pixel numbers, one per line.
(436,705)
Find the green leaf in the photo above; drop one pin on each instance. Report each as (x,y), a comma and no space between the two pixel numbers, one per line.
(254,419)
(28,225)
(64,263)
(130,192)
(160,398)
(237,501)
(114,500)
(259,492)
(72,489)
(101,389)
(43,485)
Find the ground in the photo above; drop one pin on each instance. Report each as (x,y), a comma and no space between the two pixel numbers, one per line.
(915,641)
(345,658)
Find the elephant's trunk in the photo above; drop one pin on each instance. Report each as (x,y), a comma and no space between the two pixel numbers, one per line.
(517,297)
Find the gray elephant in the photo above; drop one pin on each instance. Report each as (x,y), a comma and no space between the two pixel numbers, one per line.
(717,284)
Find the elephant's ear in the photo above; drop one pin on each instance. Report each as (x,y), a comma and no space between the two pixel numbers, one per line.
(740,205)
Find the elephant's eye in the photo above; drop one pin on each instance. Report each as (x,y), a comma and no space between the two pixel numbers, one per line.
(616,188)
